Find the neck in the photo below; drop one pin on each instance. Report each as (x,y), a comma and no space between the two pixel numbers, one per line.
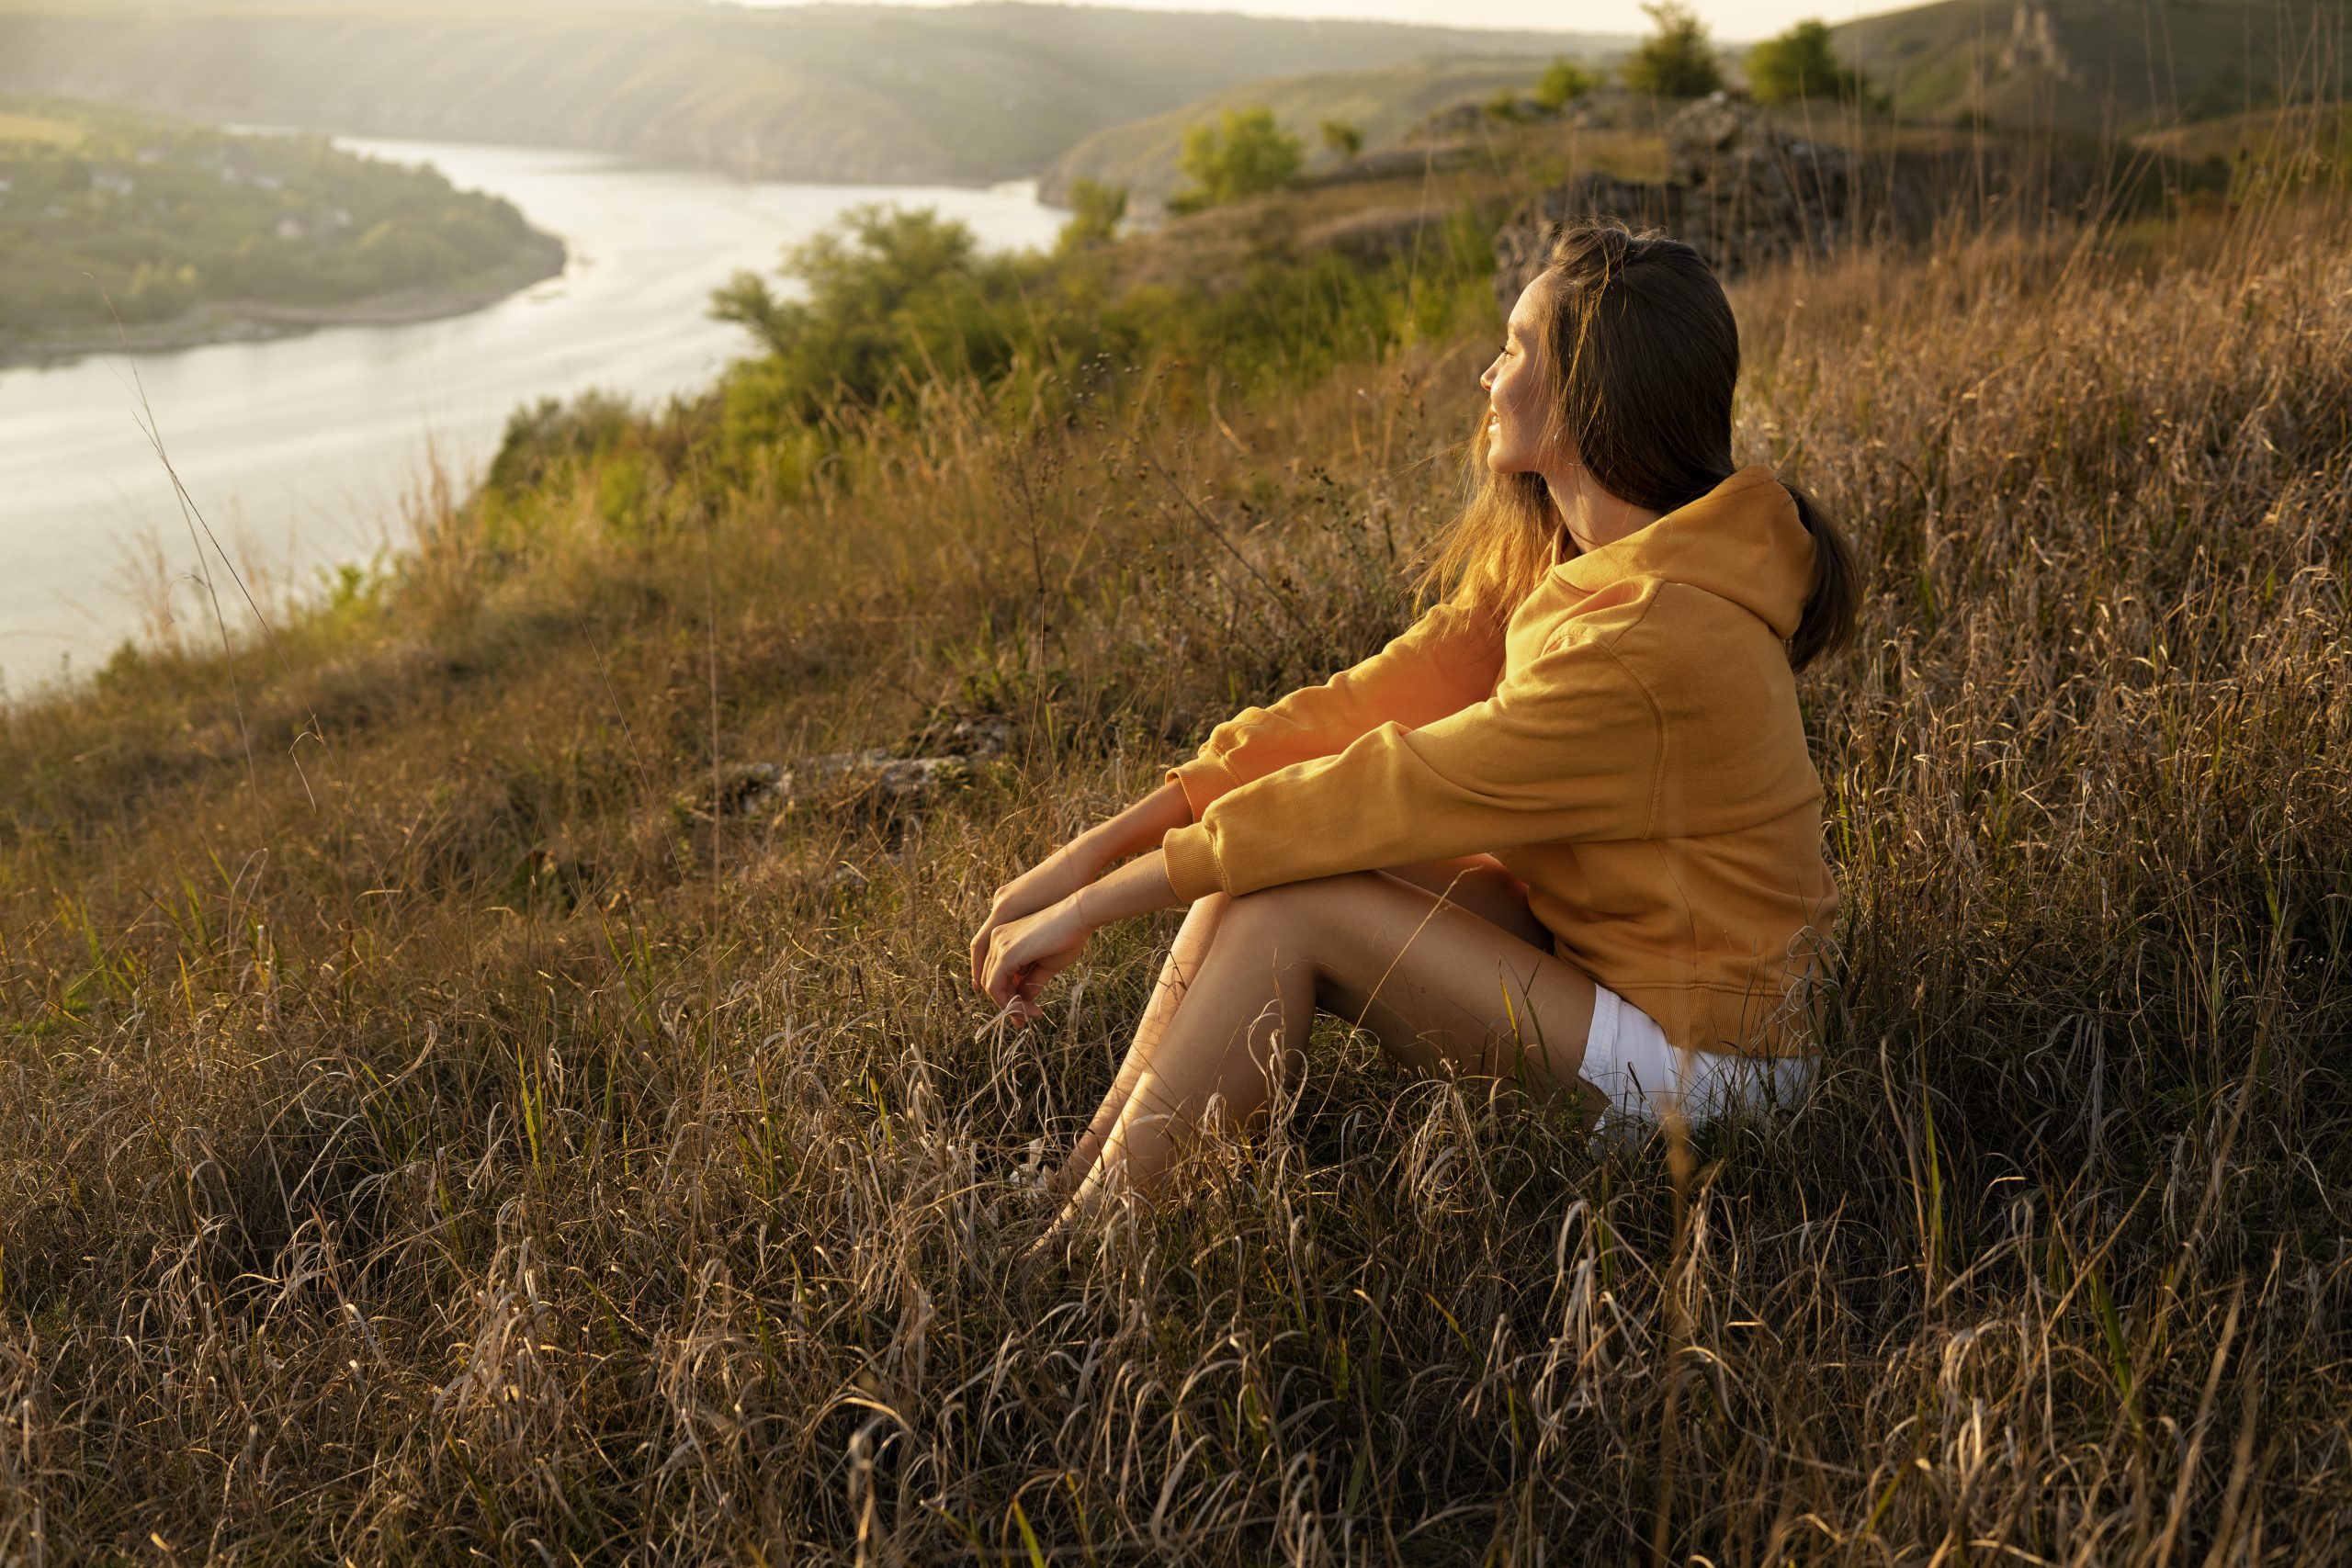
(1593,516)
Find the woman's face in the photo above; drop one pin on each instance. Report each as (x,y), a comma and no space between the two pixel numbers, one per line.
(1516,415)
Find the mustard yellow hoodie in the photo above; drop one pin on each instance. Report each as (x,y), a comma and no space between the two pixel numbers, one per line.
(1627,743)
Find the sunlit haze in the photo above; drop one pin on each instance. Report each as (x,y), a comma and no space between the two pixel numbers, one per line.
(1729,19)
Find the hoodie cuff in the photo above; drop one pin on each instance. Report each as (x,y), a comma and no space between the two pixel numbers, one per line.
(1190,861)
(1202,778)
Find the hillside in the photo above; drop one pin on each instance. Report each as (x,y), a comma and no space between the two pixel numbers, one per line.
(130,227)
(2103,65)
(1144,154)
(817,93)
(2258,135)
(490,1072)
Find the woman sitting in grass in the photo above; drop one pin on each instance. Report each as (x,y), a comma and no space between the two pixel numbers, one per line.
(1564,827)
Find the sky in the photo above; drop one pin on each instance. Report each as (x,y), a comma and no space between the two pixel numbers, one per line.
(1730,20)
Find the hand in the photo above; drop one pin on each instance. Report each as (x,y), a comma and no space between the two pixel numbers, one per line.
(1025,954)
(1058,876)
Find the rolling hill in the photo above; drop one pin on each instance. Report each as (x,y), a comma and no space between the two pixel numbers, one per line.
(2113,65)
(821,91)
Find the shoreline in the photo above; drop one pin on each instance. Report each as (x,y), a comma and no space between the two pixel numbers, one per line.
(255,320)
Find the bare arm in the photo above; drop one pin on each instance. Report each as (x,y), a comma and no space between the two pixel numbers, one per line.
(1079,861)
(1140,826)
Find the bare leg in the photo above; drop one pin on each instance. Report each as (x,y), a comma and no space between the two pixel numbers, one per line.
(1176,971)
(1477,883)
(1444,990)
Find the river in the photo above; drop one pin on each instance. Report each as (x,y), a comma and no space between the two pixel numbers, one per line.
(298,451)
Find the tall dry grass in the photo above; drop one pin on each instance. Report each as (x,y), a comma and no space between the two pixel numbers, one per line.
(469,1145)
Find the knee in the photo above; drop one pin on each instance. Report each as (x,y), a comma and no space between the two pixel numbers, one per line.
(1299,913)
(1209,905)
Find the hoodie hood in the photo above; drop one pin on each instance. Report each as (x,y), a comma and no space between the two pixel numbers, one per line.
(1741,541)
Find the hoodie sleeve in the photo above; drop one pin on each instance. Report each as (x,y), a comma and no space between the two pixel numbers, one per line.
(1445,662)
(1567,747)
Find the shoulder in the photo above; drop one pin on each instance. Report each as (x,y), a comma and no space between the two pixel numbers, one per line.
(1687,635)
(1607,616)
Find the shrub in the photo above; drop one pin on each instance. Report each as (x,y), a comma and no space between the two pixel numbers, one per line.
(1802,64)
(1244,155)
(890,291)
(1677,60)
(1564,83)
(1345,139)
(1097,210)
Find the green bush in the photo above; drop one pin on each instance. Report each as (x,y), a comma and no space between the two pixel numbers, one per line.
(892,304)
(544,438)
(1676,62)
(1246,154)
(1097,210)
(1802,64)
(1562,83)
(893,296)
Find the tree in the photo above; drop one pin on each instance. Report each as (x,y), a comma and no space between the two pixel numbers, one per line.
(888,292)
(1345,139)
(1504,105)
(1096,209)
(1564,83)
(1246,154)
(1801,64)
(1676,62)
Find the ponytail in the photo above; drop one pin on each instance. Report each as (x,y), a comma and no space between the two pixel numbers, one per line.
(1826,623)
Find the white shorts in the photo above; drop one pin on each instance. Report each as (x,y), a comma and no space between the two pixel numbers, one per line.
(1628,1058)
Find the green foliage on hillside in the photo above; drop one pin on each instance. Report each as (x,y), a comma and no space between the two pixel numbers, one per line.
(1096,213)
(893,303)
(1675,61)
(1563,83)
(1242,154)
(158,216)
(1802,64)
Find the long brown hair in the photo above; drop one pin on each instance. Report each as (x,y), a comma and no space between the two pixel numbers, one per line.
(1638,353)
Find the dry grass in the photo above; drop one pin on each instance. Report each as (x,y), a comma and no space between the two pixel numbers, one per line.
(465,1149)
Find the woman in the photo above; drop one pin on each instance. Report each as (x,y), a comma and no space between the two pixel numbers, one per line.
(1562,829)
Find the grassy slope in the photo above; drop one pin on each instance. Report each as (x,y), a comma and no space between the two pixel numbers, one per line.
(822,92)
(2128,62)
(2257,134)
(425,1136)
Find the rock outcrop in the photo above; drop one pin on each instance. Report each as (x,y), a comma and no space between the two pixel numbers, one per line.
(1745,193)
(886,785)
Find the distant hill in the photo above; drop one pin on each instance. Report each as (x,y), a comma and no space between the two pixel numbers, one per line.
(1144,154)
(819,92)
(2115,65)
(150,231)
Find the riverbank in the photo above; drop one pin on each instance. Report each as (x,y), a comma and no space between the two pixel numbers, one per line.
(135,230)
(254,320)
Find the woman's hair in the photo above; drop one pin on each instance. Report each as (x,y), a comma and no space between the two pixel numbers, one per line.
(1637,353)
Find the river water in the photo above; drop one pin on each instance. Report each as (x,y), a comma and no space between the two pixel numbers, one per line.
(297,452)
